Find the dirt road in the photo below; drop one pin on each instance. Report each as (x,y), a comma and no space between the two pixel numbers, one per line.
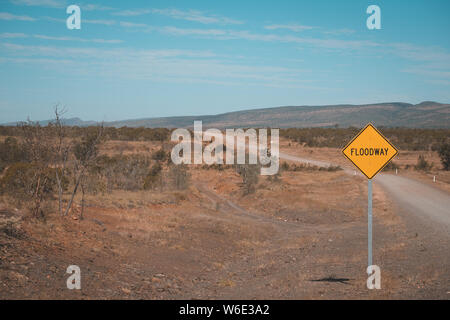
(418,199)
(414,197)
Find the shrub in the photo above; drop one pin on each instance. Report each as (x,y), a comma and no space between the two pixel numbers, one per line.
(123,172)
(285,166)
(422,164)
(152,178)
(179,176)
(250,176)
(444,154)
(159,155)
(304,167)
(391,166)
(330,168)
(88,148)
(27,182)
(11,152)
(308,167)
(215,166)
(3,165)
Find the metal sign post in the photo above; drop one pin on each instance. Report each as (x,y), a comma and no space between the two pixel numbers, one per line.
(369,221)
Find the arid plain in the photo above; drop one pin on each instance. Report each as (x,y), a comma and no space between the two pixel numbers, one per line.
(299,235)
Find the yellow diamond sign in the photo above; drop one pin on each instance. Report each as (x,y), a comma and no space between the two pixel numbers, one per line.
(369,151)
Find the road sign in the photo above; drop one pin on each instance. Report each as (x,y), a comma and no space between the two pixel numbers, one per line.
(370,151)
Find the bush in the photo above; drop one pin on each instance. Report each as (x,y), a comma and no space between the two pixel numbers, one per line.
(391,166)
(179,176)
(444,154)
(308,167)
(159,155)
(27,182)
(123,172)
(330,168)
(285,166)
(11,152)
(88,148)
(422,164)
(250,176)
(216,166)
(152,178)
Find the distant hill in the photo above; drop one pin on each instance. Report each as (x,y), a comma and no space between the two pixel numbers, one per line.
(67,122)
(427,114)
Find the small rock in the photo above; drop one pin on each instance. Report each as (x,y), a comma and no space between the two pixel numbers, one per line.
(159,275)
(126,291)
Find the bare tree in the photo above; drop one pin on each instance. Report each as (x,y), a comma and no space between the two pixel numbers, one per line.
(37,143)
(82,185)
(61,154)
(86,152)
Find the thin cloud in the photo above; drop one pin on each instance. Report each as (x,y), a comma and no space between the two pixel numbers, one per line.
(60,4)
(40,3)
(413,52)
(8,35)
(220,34)
(189,15)
(337,32)
(173,66)
(424,71)
(104,22)
(127,24)
(196,32)
(107,41)
(403,50)
(131,13)
(54,19)
(89,21)
(40,61)
(430,62)
(437,72)
(196,16)
(10,16)
(439,82)
(291,27)
(95,7)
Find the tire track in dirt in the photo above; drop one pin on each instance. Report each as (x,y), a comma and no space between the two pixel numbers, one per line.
(230,208)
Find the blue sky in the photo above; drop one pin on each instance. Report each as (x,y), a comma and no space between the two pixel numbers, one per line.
(134,59)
